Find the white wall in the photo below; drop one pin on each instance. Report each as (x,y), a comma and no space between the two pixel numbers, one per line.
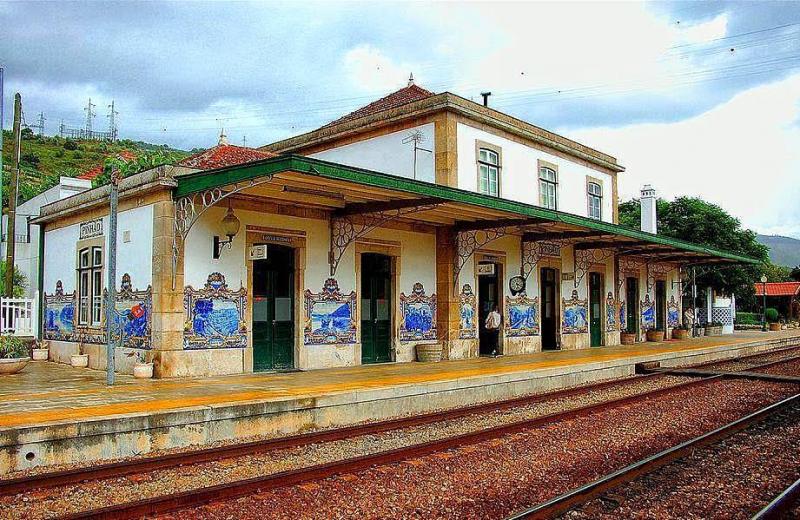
(519,176)
(388,154)
(134,257)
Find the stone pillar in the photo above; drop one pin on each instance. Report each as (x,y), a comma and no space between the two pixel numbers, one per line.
(447,299)
(168,313)
(445,150)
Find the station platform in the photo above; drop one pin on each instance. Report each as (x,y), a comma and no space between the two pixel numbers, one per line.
(56,414)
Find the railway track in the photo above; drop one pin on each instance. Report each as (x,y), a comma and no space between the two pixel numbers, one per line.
(614,481)
(197,497)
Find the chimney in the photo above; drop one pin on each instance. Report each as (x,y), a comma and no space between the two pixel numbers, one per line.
(410,80)
(223,139)
(486,98)
(648,203)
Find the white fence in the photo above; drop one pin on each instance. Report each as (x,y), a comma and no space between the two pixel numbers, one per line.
(18,316)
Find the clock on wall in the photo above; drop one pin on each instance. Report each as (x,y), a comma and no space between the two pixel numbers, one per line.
(516,284)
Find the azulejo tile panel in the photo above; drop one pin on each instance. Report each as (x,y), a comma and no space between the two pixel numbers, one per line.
(612,316)
(623,322)
(648,313)
(522,316)
(215,315)
(575,310)
(418,313)
(330,316)
(468,311)
(132,315)
(59,314)
(673,312)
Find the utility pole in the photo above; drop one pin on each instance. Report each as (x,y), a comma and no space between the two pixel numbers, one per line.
(2,121)
(112,122)
(90,114)
(12,198)
(112,274)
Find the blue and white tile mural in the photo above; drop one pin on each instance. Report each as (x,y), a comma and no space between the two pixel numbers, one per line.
(522,317)
(59,314)
(468,328)
(215,315)
(623,322)
(330,316)
(673,312)
(418,313)
(611,313)
(574,318)
(132,316)
(648,314)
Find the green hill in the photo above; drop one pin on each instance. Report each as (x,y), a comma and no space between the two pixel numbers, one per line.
(43,159)
(782,250)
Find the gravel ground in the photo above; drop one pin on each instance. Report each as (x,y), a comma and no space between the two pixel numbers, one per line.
(790,368)
(496,477)
(736,365)
(733,479)
(49,503)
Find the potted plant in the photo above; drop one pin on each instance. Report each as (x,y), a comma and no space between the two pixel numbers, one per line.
(680,332)
(627,338)
(714,328)
(79,360)
(773,318)
(40,351)
(655,335)
(142,369)
(429,352)
(13,354)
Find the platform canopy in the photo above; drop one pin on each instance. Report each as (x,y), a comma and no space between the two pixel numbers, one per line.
(346,191)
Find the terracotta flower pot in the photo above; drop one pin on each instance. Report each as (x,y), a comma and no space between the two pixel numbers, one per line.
(680,334)
(143,370)
(774,327)
(79,360)
(429,352)
(40,354)
(654,335)
(13,365)
(627,338)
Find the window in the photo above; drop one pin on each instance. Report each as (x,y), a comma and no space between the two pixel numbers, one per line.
(488,172)
(90,286)
(595,197)
(548,184)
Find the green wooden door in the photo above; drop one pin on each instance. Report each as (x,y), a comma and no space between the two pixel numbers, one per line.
(273,310)
(632,305)
(376,308)
(596,309)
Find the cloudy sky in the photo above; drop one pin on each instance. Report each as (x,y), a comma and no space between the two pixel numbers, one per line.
(695,98)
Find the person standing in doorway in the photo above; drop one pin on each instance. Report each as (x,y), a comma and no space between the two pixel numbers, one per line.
(493,322)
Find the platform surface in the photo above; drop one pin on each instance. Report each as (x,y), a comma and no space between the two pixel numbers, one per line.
(48,393)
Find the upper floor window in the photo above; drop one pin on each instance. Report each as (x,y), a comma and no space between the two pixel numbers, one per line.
(488,172)
(594,192)
(90,286)
(548,184)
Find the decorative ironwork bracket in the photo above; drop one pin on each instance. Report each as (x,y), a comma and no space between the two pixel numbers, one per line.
(628,264)
(657,268)
(190,208)
(346,229)
(467,242)
(582,261)
(532,252)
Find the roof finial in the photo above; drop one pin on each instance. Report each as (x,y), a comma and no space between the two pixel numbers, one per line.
(411,79)
(223,139)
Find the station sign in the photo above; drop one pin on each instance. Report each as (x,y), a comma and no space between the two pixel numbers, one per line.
(550,249)
(567,277)
(486,269)
(91,228)
(258,252)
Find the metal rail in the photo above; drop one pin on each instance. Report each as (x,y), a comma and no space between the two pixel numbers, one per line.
(783,503)
(563,503)
(227,491)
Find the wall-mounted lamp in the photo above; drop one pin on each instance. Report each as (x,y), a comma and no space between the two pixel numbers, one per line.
(230,226)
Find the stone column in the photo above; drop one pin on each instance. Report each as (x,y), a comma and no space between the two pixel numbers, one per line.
(168,313)
(446,150)
(447,299)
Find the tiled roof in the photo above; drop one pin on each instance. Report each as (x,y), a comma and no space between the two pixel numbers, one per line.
(395,99)
(779,289)
(93,173)
(224,155)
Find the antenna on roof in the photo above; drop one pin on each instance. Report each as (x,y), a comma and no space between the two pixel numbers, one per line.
(416,137)
(411,79)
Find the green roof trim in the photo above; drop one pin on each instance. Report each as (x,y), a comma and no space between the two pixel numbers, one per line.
(199,181)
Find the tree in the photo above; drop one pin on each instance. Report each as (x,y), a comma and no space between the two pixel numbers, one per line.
(142,161)
(695,220)
(795,274)
(777,273)
(20,282)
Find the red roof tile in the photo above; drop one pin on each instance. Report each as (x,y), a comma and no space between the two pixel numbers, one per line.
(224,155)
(92,173)
(779,289)
(395,99)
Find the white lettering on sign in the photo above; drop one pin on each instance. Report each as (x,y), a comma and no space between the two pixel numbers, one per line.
(258,252)
(566,277)
(276,238)
(93,228)
(485,269)
(550,249)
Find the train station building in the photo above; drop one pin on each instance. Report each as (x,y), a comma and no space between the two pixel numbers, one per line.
(392,230)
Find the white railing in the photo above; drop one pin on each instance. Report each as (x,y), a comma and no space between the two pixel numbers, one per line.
(18,316)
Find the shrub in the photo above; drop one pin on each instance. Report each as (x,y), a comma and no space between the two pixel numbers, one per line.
(748,318)
(772,315)
(69,144)
(12,347)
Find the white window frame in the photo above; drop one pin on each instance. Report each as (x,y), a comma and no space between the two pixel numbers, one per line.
(548,187)
(594,200)
(488,166)
(90,285)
